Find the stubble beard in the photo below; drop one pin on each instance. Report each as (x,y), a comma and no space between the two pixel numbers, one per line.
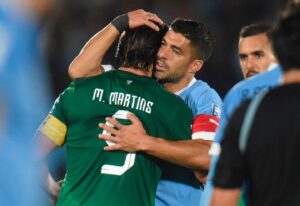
(167,77)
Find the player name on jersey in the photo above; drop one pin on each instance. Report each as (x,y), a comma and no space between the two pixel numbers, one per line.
(125,100)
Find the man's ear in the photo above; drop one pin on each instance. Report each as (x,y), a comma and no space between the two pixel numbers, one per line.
(196,65)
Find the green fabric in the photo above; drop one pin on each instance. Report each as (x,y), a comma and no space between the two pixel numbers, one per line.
(241,201)
(86,103)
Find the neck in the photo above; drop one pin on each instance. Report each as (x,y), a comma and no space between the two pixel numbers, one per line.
(138,71)
(292,76)
(174,87)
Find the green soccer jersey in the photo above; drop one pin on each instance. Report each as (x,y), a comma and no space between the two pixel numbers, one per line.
(98,177)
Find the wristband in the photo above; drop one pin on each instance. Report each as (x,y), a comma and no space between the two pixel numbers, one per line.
(121,22)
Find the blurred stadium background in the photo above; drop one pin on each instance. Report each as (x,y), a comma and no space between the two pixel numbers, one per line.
(72,22)
(39,39)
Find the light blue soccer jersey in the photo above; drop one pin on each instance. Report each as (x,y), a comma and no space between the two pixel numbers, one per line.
(180,187)
(243,90)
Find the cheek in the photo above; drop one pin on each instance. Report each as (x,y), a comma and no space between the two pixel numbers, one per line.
(174,62)
(265,62)
(243,67)
(180,61)
(242,63)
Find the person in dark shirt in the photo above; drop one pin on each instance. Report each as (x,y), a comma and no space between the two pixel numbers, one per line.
(262,138)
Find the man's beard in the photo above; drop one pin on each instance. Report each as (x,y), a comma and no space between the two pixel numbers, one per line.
(169,78)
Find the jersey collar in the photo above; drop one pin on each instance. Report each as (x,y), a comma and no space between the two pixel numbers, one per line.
(190,84)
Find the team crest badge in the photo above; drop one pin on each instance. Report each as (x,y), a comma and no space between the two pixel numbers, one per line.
(216,110)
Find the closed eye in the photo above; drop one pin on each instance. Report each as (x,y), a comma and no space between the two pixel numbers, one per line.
(176,50)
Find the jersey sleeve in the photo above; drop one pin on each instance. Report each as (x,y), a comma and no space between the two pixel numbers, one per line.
(54,129)
(55,124)
(204,127)
(231,169)
(206,110)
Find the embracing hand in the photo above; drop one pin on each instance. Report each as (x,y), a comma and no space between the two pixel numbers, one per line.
(129,138)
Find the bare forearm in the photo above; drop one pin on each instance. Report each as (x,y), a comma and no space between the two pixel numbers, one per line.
(51,187)
(88,62)
(192,154)
(44,146)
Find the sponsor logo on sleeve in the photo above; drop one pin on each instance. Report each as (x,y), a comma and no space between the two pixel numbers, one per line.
(216,110)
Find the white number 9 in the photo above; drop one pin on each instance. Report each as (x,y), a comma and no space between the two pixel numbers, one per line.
(130,157)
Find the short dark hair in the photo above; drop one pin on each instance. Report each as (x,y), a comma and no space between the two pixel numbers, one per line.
(199,34)
(138,47)
(286,38)
(255,29)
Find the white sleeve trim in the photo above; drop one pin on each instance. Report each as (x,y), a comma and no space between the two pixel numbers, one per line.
(204,135)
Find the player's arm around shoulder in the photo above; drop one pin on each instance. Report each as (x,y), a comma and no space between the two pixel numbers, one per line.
(207,112)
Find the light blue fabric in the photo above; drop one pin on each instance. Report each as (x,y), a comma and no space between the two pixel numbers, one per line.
(243,90)
(24,85)
(19,177)
(201,99)
(24,102)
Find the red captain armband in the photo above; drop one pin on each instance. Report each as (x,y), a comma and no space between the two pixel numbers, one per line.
(205,126)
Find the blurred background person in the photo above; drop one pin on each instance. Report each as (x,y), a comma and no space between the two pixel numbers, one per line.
(255,50)
(24,84)
(256,56)
(261,140)
(24,81)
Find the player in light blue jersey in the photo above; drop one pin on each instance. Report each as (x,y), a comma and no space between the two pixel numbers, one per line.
(246,89)
(264,150)
(257,58)
(175,187)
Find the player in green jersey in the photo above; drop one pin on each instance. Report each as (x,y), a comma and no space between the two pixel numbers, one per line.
(95,176)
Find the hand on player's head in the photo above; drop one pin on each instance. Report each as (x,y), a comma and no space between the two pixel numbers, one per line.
(143,18)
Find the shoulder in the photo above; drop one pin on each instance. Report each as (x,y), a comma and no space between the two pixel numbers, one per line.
(201,90)
(203,99)
(175,99)
(249,87)
(284,95)
(85,81)
(171,102)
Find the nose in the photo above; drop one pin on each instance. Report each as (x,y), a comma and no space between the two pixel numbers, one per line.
(250,63)
(162,52)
